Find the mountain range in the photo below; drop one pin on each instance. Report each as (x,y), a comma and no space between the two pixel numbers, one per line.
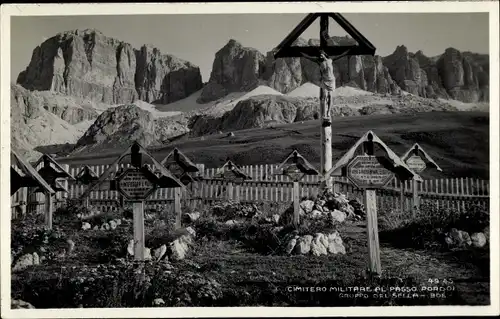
(84,88)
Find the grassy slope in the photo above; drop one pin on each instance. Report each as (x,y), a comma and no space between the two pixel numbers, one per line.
(457,141)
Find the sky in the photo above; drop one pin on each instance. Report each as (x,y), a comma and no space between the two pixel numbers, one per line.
(197,38)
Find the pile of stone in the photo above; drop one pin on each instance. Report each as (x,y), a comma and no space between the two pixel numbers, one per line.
(334,206)
(177,249)
(111,225)
(461,239)
(317,245)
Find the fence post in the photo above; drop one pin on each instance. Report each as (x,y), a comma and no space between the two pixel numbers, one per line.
(24,200)
(370,201)
(296,204)
(237,193)
(416,202)
(177,207)
(230,191)
(402,196)
(49,206)
(139,245)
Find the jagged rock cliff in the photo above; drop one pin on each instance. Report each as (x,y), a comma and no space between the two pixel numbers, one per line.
(269,110)
(164,78)
(461,76)
(286,74)
(257,111)
(235,68)
(43,118)
(87,64)
(117,127)
(464,78)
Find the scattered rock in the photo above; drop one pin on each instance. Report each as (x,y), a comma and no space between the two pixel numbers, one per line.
(86,226)
(147,254)
(335,244)
(191,231)
(231,222)
(304,244)
(188,240)
(316,214)
(118,222)
(158,302)
(307,206)
(96,227)
(338,216)
(478,240)
(23,262)
(460,238)
(318,207)
(178,249)
(191,217)
(291,245)
(19,304)
(276,219)
(159,253)
(71,246)
(112,224)
(448,241)
(130,247)
(36,259)
(317,247)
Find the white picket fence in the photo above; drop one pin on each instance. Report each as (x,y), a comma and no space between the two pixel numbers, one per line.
(457,193)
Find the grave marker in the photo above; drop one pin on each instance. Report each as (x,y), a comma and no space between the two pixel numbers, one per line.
(183,169)
(23,174)
(417,160)
(136,184)
(362,47)
(51,171)
(365,171)
(295,166)
(232,174)
(86,176)
(369,172)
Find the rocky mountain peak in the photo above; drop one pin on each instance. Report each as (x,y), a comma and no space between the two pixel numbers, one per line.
(401,50)
(235,68)
(420,53)
(87,64)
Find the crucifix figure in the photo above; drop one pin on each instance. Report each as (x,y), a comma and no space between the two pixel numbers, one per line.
(327,80)
(327,84)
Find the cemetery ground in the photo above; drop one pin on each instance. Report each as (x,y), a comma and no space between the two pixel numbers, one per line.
(233,254)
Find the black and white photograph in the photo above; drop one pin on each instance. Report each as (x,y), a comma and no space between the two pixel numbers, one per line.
(291,158)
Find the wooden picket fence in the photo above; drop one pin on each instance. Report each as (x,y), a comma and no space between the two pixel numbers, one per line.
(457,193)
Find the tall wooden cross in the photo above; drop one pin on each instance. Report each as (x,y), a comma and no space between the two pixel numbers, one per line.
(285,49)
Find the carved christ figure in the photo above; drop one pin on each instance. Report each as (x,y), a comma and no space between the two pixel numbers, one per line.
(327,80)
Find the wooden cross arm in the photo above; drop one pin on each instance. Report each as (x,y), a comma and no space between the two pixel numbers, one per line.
(330,51)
